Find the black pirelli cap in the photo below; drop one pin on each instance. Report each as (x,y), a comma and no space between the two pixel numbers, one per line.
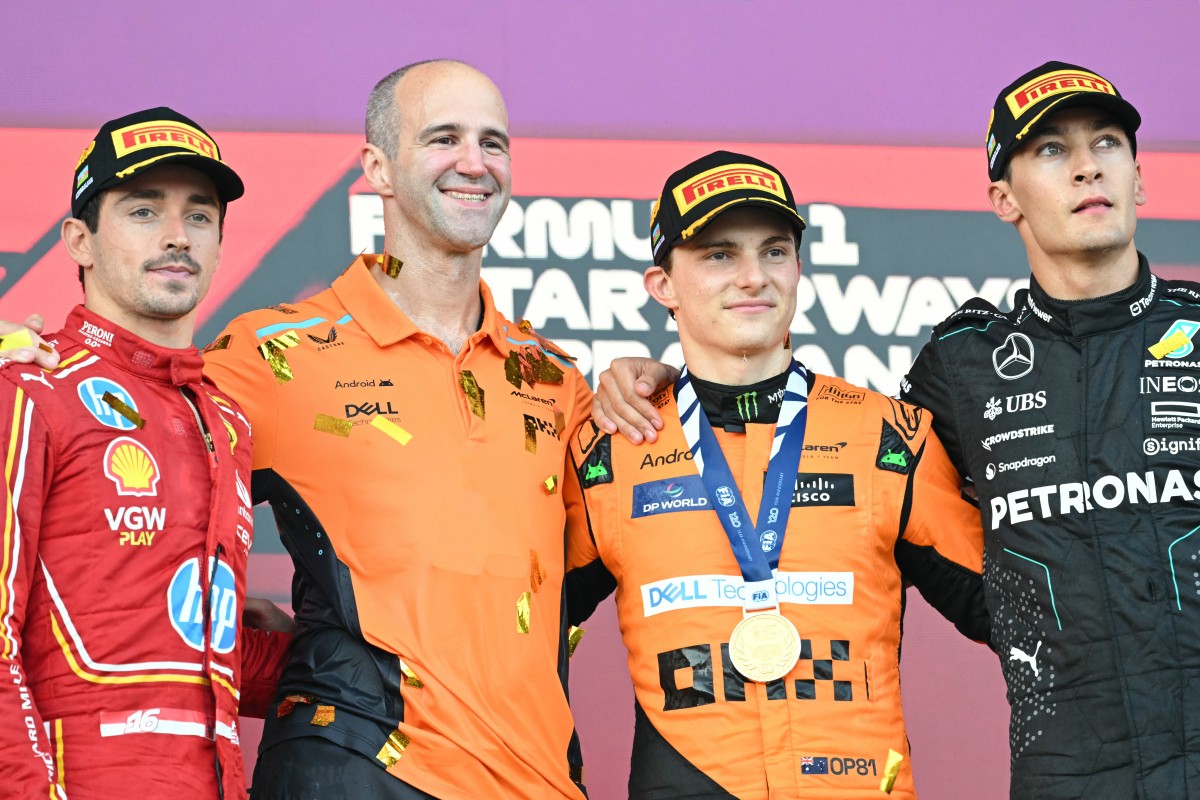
(1053,86)
(693,196)
(124,148)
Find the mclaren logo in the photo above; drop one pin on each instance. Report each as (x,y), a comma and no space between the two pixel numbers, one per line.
(1014,358)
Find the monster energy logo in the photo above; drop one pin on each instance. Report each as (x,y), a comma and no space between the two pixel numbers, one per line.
(595,471)
(747,406)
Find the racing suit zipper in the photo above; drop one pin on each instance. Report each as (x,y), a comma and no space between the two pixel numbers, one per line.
(208,603)
(188,398)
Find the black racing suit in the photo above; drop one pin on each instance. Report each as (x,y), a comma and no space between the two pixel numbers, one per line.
(1082,439)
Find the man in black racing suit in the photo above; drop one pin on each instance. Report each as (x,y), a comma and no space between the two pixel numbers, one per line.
(1075,419)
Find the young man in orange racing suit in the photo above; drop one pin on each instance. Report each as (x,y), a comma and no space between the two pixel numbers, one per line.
(761,546)
(127,513)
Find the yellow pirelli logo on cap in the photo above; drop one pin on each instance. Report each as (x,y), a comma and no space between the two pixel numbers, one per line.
(725,179)
(1064,80)
(163,133)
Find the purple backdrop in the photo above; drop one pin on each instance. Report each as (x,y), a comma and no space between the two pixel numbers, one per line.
(744,70)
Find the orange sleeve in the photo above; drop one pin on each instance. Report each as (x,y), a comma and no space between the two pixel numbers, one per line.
(233,362)
(940,549)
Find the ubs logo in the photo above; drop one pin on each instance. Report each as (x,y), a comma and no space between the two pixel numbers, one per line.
(1014,358)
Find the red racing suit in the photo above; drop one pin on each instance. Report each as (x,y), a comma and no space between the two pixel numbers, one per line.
(122,574)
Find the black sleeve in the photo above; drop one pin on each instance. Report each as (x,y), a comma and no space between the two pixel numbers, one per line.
(587,586)
(928,385)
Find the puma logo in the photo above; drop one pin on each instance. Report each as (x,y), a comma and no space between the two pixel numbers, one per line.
(1017,654)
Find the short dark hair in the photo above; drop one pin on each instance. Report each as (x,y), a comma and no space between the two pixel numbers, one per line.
(383,123)
(90,215)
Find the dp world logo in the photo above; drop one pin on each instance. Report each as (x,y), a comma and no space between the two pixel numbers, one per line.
(1014,358)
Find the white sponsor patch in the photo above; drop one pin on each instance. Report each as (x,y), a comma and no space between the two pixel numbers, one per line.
(706,591)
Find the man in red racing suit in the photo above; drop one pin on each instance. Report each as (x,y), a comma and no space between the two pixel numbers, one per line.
(126,512)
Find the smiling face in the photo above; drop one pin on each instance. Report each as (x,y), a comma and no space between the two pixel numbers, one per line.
(1073,190)
(154,252)
(732,288)
(450,179)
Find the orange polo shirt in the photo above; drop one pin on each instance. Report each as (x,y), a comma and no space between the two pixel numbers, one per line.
(418,492)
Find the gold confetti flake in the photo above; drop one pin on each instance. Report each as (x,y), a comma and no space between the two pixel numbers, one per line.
(524,612)
(546,371)
(272,352)
(45,347)
(220,343)
(532,366)
(574,634)
(537,575)
(474,393)
(393,748)
(1173,342)
(391,429)
(551,484)
(323,716)
(787,342)
(288,703)
(410,677)
(530,435)
(525,326)
(391,265)
(124,410)
(338,427)
(890,771)
(560,422)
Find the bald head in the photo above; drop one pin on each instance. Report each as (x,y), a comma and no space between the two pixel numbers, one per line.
(407,88)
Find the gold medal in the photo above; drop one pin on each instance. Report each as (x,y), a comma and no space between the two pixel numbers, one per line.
(764,646)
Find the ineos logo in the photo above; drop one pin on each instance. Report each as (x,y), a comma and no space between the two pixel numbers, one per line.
(1014,358)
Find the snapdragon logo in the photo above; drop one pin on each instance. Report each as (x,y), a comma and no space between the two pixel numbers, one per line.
(706,591)
(1111,491)
(1011,466)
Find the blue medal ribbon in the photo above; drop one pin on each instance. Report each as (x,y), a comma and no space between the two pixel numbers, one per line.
(755,546)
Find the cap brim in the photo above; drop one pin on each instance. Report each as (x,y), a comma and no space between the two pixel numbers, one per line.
(229,185)
(787,212)
(1121,108)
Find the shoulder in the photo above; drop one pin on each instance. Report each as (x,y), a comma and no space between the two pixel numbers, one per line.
(978,314)
(1180,292)
(591,452)
(264,324)
(900,425)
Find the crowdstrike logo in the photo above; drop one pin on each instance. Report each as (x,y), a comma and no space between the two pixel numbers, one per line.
(1019,433)
(1014,358)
